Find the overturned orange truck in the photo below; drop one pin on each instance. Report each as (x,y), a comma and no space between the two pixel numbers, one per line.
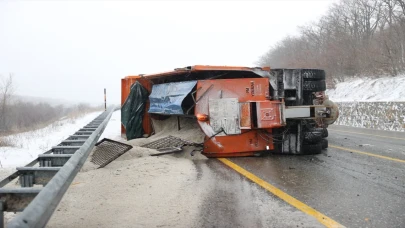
(242,111)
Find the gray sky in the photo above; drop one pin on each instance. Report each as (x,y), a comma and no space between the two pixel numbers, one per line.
(73,49)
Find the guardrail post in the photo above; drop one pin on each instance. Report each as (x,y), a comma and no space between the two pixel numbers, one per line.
(58,167)
(1,215)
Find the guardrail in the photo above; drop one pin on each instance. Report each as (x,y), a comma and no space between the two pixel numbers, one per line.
(55,169)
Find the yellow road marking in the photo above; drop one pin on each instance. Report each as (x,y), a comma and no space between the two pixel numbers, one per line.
(366,153)
(358,133)
(76,183)
(325,220)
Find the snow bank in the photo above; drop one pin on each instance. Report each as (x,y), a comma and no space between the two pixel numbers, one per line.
(113,128)
(28,145)
(370,90)
(371,103)
(388,116)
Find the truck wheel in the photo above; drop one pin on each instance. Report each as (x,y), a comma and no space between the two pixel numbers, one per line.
(312,136)
(325,132)
(308,98)
(324,143)
(313,74)
(314,86)
(312,148)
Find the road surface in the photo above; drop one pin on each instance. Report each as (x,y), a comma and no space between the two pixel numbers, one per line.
(359,181)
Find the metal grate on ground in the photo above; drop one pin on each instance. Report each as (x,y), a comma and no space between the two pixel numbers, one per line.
(108,150)
(168,142)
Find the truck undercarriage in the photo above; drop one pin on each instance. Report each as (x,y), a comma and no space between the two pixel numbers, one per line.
(242,111)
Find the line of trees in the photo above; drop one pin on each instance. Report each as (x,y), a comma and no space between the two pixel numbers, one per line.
(17,115)
(355,37)
(6,91)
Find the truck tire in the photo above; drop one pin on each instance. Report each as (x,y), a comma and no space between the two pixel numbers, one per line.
(314,86)
(308,98)
(324,143)
(325,132)
(312,148)
(312,136)
(313,74)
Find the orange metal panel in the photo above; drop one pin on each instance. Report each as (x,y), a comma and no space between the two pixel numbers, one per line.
(147,121)
(245,116)
(245,90)
(245,144)
(268,114)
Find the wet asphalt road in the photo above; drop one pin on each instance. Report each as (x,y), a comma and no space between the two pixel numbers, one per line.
(355,190)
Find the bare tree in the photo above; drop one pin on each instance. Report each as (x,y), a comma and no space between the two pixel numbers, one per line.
(6,91)
(354,37)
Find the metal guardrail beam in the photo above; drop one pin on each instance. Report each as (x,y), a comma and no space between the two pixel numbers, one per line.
(41,208)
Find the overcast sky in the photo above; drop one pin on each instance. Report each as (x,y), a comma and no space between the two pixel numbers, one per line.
(73,49)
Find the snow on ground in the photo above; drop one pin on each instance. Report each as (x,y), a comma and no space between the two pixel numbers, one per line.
(371,103)
(28,145)
(370,90)
(113,128)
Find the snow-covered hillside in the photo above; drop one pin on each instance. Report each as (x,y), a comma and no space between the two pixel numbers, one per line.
(371,103)
(369,90)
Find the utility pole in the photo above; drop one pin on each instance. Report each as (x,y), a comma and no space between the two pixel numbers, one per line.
(105,99)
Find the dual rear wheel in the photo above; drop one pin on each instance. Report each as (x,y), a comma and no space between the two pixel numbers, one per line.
(314,138)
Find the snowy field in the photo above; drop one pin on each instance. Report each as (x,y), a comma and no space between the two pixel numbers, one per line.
(113,129)
(369,90)
(28,145)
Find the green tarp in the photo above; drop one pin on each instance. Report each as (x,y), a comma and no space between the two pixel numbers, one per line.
(132,111)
